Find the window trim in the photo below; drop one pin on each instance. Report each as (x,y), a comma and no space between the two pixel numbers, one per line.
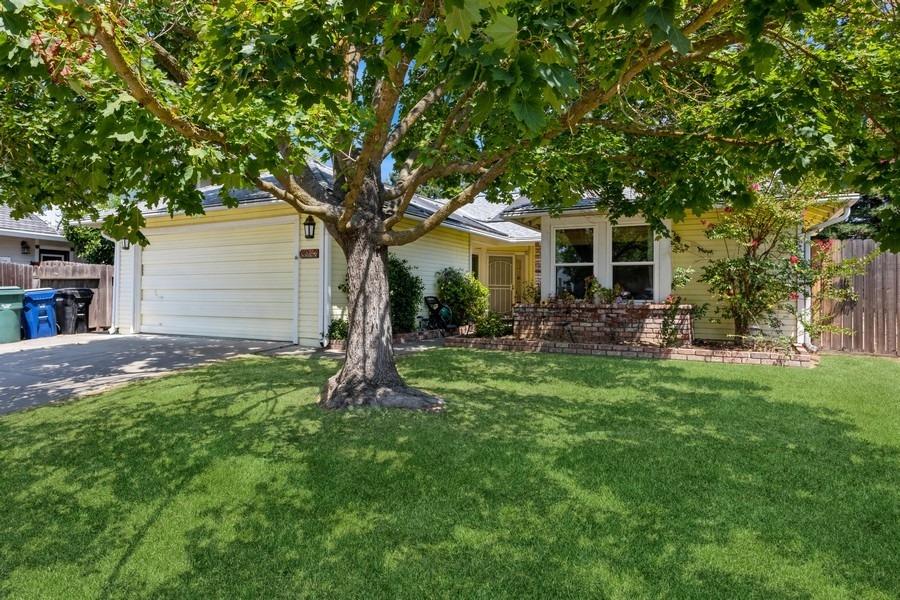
(663,262)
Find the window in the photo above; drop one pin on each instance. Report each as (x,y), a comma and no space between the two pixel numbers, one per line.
(53,255)
(632,260)
(475,265)
(574,257)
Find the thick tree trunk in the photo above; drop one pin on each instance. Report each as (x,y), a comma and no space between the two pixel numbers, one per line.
(369,375)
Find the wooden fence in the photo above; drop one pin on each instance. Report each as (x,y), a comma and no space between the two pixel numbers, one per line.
(874,318)
(55,274)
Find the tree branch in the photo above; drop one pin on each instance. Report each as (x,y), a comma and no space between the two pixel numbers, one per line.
(637,130)
(411,117)
(387,96)
(303,202)
(398,238)
(143,95)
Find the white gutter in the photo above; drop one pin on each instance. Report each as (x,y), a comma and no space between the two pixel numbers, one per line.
(47,237)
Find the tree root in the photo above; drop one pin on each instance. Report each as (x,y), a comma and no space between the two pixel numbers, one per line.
(338,395)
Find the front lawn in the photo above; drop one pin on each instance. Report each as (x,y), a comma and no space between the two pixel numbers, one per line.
(548,476)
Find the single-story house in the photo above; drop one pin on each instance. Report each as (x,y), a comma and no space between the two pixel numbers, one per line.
(581,241)
(261,271)
(258,271)
(30,240)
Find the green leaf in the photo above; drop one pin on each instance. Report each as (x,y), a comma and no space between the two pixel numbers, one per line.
(503,31)
(462,15)
(529,111)
(661,20)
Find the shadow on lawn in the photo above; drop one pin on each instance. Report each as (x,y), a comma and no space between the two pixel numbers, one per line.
(551,477)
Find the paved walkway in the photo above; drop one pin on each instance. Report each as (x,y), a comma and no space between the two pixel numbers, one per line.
(40,371)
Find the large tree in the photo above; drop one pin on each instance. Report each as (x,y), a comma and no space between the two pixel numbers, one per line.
(114,103)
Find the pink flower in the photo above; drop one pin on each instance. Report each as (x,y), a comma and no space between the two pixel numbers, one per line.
(754,187)
(794,295)
(794,260)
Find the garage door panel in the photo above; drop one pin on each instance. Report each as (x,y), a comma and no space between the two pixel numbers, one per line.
(260,282)
(201,296)
(242,267)
(259,252)
(221,281)
(218,327)
(235,309)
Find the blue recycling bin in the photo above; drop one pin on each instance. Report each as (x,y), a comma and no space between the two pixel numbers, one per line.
(39,313)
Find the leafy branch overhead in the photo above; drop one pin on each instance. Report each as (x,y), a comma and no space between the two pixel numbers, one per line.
(108,104)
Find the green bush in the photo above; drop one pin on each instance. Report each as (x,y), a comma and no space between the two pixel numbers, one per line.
(492,324)
(339,329)
(466,296)
(406,294)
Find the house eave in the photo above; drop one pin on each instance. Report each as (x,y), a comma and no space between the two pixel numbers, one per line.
(18,233)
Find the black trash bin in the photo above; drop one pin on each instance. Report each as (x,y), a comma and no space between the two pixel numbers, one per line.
(72,305)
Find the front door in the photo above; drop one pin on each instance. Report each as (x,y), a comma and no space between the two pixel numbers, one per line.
(501,281)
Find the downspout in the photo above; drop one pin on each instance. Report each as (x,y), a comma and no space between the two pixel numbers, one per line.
(840,217)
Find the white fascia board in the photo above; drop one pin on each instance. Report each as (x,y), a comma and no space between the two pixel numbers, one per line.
(31,235)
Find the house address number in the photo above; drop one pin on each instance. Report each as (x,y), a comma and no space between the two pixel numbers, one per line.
(309,253)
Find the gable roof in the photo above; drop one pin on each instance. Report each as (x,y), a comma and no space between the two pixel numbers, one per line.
(30,226)
(481,217)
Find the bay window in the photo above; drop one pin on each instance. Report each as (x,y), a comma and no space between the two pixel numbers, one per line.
(574,260)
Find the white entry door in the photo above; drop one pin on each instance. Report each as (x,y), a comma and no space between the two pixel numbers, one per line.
(501,281)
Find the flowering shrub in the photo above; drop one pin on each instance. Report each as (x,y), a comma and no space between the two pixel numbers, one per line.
(764,270)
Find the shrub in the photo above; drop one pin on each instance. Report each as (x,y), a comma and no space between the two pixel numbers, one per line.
(339,329)
(466,296)
(406,291)
(492,324)
(406,294)
(763,271)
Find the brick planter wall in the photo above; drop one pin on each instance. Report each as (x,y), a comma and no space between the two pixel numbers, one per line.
(588,323)
(800,357)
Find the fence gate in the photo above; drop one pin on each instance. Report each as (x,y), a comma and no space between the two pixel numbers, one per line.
(873,318)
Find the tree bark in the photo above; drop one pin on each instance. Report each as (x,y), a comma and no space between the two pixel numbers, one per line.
(369,374)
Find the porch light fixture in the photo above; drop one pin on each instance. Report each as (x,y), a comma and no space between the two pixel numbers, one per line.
(309,228)
(126,245)
(26,249)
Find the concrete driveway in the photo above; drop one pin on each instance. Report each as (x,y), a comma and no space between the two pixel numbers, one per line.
(36,372)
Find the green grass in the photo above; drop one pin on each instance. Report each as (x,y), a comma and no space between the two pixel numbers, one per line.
(547,476)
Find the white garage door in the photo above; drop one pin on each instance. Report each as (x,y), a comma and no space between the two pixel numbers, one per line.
(222,280)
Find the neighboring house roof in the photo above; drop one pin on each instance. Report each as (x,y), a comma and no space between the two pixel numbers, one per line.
(31,226)
(481,217)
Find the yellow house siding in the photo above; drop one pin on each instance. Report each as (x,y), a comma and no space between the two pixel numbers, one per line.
(441,248)
(691,232)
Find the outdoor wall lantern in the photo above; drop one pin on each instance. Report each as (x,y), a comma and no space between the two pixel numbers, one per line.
(126,245)
(309,228)
(26,249)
